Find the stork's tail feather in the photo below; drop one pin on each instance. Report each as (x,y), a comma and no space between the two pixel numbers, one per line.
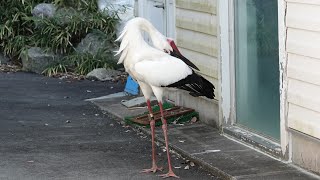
(196,85)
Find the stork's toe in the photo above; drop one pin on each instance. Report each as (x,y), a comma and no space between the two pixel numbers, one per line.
(153,169)
(169,174)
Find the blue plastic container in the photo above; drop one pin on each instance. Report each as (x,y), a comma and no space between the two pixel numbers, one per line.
(132,87)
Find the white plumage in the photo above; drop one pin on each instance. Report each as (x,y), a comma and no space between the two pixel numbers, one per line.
(156,67)
(147,64)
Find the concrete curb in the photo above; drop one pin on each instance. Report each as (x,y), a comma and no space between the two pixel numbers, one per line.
(208,167)
(234,161)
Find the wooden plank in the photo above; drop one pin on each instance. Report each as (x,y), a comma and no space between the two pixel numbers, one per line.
(304,120)
(304,68)
(303,42)
(304,94)
(208,6)
(198,42)
(174,112)
(196,21)
(300,16)
(314,2)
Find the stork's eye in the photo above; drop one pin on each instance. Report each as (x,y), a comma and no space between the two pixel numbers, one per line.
(166,51)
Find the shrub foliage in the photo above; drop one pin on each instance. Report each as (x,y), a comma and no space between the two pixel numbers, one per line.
(19,30)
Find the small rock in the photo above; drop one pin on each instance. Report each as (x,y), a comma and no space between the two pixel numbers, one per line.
(37,60)
(177,167)
(111,125)
(192,164)
(3,59)
(46,124)
(187,167)
(93,43)
(194,119)
(44,10)
(96,114)
(30,161)
(68,121)
(102,74)
(88,91)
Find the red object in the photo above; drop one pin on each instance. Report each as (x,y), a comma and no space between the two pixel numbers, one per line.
(176,53)
(165,129)
(173,45)
(154,167)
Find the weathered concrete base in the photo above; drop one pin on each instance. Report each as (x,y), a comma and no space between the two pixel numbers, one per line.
(139,101)
(208,109)
(306,151)
(218,154)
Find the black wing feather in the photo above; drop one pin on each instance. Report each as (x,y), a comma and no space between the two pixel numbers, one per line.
(196,85)
(176,54)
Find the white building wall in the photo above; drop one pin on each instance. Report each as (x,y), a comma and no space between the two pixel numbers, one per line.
(196,37)
(303,47)
(303,53)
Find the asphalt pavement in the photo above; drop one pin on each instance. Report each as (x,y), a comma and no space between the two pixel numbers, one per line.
(48,131)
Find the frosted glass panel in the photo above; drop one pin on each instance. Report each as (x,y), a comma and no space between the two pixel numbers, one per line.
(257,66)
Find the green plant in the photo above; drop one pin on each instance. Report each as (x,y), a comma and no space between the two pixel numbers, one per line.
(55,69)
(84,62)
(81,63)
(19,30)
(14,28)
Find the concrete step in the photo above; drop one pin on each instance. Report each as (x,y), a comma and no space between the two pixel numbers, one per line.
(222,156)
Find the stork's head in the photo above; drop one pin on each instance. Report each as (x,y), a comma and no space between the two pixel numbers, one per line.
(160,42)
(173,46)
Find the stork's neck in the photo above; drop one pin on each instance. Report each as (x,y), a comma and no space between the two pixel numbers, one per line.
(151,30)
(133,44)
(158,40)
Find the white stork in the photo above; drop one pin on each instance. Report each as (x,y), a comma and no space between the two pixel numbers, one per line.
(156,68)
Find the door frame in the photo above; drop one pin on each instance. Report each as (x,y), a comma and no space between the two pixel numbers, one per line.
(169,12)
(227,103)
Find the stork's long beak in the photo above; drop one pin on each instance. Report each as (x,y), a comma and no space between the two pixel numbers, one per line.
(176,53)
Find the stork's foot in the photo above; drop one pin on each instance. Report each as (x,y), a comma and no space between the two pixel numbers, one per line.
(153,169)
(169,174)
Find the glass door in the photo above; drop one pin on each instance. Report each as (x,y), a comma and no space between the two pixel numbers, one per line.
(257,66)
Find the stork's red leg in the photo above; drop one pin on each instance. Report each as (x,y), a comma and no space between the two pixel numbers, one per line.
(165,129)
(154,167)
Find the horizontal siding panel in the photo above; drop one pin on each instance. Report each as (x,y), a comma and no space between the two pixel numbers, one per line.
(208,6)
(208,65)
(304,94)
(302,42)
(301,16)
(196,21)
(304,68)
(304,120)
(198,42)
(315,2)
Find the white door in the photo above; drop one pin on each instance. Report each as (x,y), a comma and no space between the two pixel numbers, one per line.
(160,13)
(156,14)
